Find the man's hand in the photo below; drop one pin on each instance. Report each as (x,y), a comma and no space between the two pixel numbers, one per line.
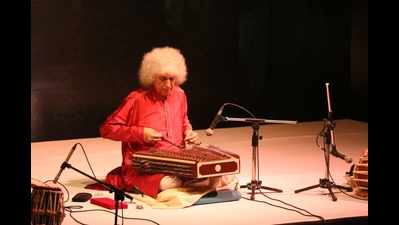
(191,137)
(151,135)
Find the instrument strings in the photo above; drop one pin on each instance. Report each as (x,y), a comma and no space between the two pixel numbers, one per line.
(174,144)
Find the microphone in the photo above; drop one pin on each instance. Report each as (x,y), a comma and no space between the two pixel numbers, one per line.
(337,154)
(63,164)
(215,121)
(334,151)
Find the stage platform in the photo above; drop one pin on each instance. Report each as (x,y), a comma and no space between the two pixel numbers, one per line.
(289,159)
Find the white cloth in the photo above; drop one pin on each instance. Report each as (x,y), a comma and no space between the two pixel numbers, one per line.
(169,182)
(188,193)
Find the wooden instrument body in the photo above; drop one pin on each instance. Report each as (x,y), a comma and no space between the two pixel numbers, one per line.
(198,162)
(360,176)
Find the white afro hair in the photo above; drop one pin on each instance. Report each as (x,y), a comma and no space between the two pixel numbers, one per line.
(160,61)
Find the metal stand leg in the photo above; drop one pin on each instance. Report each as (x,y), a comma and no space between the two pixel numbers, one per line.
(328,147)
(255,183)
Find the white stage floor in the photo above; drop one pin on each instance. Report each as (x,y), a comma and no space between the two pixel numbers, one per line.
(289,160)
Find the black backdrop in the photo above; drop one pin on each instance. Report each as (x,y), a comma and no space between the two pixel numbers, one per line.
(270,56)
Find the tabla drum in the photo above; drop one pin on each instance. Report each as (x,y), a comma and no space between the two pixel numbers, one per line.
(47,205)
(360,176)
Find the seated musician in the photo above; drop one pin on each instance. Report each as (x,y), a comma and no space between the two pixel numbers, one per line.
(154,115)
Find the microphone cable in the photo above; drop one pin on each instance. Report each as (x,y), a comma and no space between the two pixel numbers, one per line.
(69,209)
(87,159)
(340,190)
(297,209)
(88,162)
(329,172)
(241,107)
(66,189)
(253,116)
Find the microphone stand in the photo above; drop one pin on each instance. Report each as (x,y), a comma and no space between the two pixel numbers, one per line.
(119,195)
(255,183)
(328,147)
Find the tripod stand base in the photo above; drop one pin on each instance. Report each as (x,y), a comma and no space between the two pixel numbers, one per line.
(326,183)
(257,185)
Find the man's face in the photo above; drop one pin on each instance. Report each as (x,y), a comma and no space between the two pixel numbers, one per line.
(164,83)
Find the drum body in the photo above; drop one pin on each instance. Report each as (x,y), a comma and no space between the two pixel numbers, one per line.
(47,206)
(360,177)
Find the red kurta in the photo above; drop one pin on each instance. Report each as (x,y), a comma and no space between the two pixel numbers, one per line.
(143,108)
